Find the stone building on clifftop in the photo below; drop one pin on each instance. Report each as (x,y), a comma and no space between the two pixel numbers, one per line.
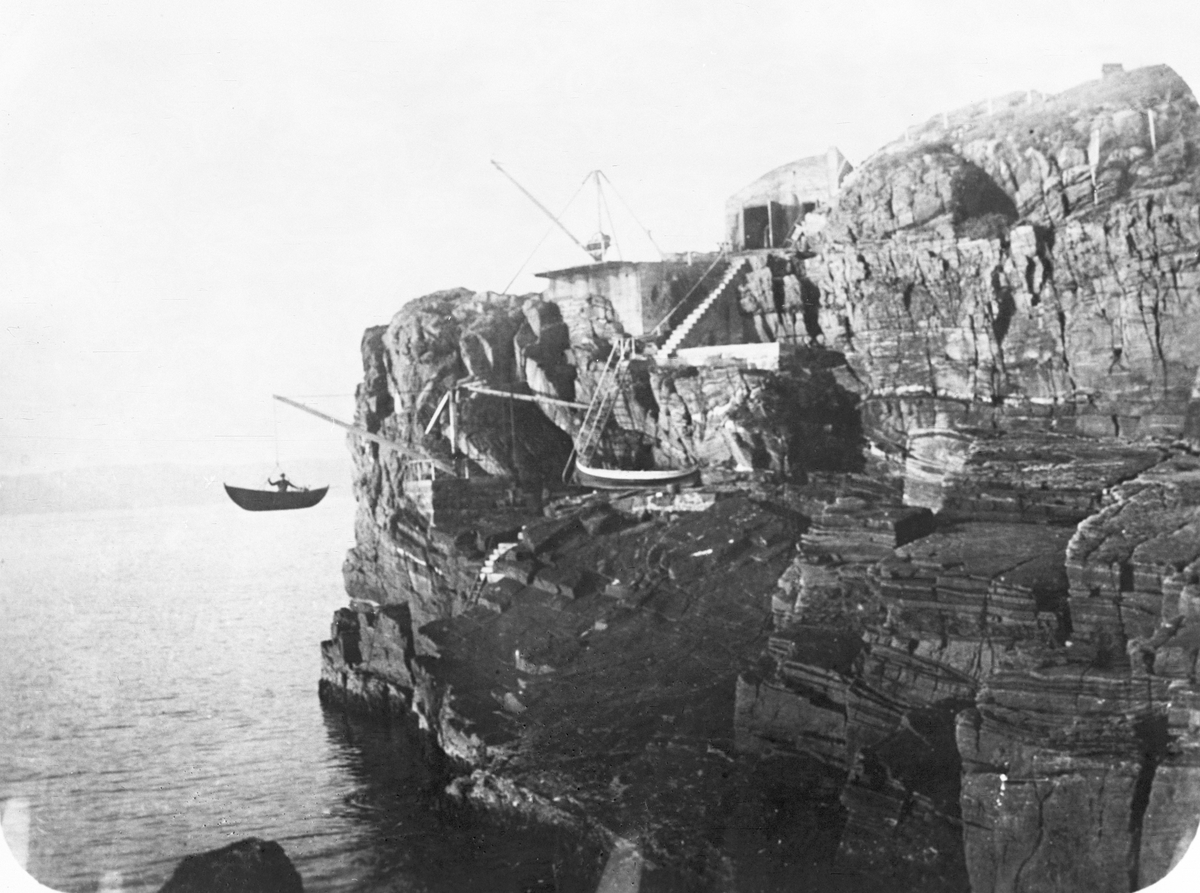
(764,214)
(641,292)
(703,307)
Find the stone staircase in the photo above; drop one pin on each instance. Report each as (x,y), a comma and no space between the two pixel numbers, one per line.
(487,573)
(736,267)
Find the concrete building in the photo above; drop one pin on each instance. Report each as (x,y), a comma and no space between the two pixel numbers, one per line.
(641,292)
(762,216)
(764,213)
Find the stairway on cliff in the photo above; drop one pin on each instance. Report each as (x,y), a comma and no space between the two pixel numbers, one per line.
(487,573)
(736,267)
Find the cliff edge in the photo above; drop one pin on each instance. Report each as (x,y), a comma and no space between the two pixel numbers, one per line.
(931,618)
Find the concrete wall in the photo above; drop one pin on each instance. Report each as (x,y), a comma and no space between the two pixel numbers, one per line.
(666,284)
(641,292)
(617,281)
(724,323)
(754,356)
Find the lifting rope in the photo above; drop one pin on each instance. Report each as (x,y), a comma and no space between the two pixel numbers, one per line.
(542,207)
(625,204)
(602,198)
(602,208)
(549,230)
(275,415)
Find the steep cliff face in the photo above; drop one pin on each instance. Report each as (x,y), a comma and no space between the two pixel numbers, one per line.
(584,590)
(964,657)
(1005,283)
(1040,260)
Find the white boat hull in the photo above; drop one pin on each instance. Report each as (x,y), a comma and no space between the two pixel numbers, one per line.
(618,479)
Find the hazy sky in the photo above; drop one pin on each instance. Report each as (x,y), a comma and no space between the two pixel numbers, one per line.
(205,203)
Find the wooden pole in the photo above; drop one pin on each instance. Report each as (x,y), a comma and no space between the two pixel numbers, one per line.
(599,217)
(437,412)
(531,398)
(512,437)
(412,452)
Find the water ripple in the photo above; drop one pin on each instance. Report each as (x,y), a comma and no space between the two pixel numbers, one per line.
(160,676)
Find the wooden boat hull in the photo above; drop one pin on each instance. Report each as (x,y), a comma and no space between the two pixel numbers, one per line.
(617,479)
(274,500)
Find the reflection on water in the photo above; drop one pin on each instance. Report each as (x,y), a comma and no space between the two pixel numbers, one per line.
(159,672)
(413,838)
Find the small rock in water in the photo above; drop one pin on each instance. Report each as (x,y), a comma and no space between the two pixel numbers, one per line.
(248,866)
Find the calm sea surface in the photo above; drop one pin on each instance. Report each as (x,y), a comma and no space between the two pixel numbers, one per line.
(158,679)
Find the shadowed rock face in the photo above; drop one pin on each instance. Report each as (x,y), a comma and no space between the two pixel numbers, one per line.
(802,416)
(964,659)
(930,186)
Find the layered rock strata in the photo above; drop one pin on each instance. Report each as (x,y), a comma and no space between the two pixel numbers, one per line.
(964,657)
(1037,261)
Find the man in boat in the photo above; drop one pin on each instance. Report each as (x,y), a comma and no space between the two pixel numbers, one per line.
(283,484)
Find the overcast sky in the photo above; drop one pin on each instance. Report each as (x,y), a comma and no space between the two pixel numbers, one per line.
(202,204)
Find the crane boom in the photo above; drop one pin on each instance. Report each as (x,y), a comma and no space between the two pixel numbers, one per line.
(543,208)
(412,452)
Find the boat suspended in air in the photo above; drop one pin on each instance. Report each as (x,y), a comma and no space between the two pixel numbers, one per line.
(285,494)
(612,381)
(275,500)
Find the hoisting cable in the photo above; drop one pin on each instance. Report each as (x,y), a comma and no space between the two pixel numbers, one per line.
(548,231)
(543,208)
(611,223)
(275,415)
(617,192)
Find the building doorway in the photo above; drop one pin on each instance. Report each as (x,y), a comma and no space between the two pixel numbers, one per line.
(766,226)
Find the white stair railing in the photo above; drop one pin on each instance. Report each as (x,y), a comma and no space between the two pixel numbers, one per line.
(680,332)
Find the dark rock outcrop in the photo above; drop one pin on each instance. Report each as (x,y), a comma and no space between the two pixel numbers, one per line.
(247,866)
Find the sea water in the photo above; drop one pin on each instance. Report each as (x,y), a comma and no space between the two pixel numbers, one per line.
(158,679)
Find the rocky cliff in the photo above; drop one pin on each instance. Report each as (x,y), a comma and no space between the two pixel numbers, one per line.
(1038,261)
(932,617)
